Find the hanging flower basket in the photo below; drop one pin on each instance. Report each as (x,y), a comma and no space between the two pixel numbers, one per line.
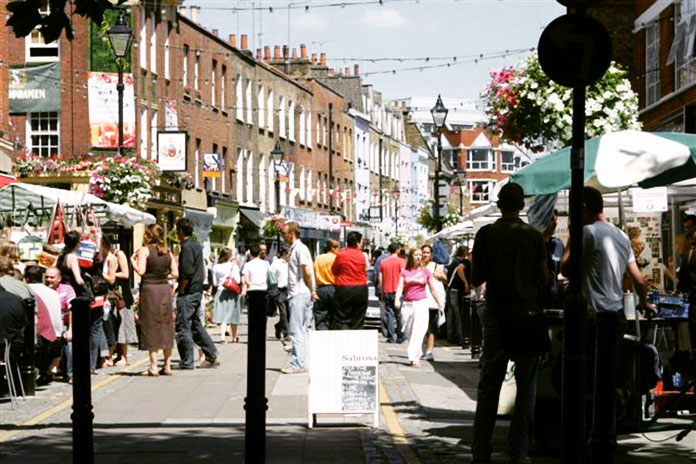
(273,225)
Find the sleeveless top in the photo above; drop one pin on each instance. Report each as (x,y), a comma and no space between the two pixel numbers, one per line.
(124,284)
(67,276)
(157,267)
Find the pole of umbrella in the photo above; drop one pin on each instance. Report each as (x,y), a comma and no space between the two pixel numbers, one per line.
(82,415)
(575,314)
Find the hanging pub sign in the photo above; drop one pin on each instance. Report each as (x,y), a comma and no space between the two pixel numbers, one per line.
(35,89)
(171,151)
(212,166)
(103,110)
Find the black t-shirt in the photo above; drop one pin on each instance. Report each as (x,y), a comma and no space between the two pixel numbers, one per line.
(457,283)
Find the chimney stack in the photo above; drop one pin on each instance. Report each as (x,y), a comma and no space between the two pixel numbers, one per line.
(266,53)
(258,54)
(233,40)
(322,60)
(294,54)
(215,32)
(314,58)
(346,72)
(245,42)
(356,70)
(303,52)
(276,52)
(286,52)
(194,13)
(182,11)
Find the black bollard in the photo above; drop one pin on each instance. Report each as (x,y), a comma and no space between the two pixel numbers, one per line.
(27,369)
(256,403)
(82,415)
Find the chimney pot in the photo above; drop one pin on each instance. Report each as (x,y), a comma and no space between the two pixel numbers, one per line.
(322,60)
(276,52)
(258,54)
(314,58)
(346,72)
(245,42)
(286,52)
(303,52)
(356,70)
(267,53)
(215,32)
(331,73)
(294,54)
(233,40)
(194,13)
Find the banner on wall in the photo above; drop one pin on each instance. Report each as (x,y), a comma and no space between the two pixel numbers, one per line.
(171,117)
(103,110)
(171,151)
(212,166)
(35,89)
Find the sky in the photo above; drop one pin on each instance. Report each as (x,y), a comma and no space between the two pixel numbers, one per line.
(483,35)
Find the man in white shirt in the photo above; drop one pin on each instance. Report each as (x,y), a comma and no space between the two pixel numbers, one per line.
(301,295)
(280,295)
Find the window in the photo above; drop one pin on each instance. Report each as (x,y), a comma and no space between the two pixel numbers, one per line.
(43,133)
(652,63)
(262,180)
(281,118)
(682,51)
(36,50)
(142,39)
(184,71)
(223,88)
(143,132)
(479,191)
(224,169)
(310,191)
(478,159)
(197,163)
(303,185)
(262,101)
(249,104)
(240,175)
(166,50)
(318,130)
(507,161)
(303,128)
(213,81)
(269,126)
(196,65)
(309,129)
(153,133)
(249,176)
(291,121)
(153,43)
(323,131)
(240,99)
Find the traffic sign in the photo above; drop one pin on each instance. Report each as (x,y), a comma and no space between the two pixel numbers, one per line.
(575,50)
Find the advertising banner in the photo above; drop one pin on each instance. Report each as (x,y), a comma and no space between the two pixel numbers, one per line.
(103,110)
(35,89)
(171,151)
(212,166)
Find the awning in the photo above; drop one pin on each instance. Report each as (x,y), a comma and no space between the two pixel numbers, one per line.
(253,216)
(7,180)
(19,196)
(202,223)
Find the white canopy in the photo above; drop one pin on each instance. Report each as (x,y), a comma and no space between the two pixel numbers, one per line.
(20,196)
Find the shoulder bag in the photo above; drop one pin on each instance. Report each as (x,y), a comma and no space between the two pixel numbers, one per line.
(231,285)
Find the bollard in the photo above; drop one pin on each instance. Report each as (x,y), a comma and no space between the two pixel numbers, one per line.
(82,415)
(256,403)
(27,370)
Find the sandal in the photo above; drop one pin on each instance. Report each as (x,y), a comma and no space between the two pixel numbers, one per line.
(149,373)
(415,364)
(164,371)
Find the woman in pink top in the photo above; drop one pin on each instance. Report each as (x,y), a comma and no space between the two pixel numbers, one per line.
(412,282)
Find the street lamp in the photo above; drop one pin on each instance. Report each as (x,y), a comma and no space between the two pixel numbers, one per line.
(396,193)
(277,154)
(461,182)
(439,113)
(120,38)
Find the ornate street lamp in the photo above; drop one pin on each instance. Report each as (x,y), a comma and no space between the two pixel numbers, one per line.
(396,193)
(461,183)
(120,38)
(439,113)
(277,154)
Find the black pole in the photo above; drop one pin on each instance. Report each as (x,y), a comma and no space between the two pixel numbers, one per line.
(256,403)
(331,192)
(119,88)
(27,371)
(82,415)
(436,210)
(277,201)
(575,315)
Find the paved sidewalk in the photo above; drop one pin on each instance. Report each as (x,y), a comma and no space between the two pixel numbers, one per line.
(198,416)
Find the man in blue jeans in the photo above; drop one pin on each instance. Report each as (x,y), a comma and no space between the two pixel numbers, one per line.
(189,328)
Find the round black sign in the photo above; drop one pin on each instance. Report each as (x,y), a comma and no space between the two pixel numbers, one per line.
(575,50)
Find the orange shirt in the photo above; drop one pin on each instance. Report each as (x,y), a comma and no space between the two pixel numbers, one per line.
(322,269)
(391,269)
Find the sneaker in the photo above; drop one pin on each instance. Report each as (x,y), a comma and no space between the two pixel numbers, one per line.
(428,357)
(290,370)
(209,362)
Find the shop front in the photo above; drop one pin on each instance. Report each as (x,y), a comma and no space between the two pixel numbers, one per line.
(225,220)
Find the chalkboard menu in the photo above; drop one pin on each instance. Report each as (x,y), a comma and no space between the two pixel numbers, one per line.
(359,388)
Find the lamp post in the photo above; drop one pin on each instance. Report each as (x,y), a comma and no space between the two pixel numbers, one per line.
(120,38)
(461,182)
(277,154)
(439,113)
(396,194)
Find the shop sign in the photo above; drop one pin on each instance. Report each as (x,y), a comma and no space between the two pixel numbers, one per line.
(327,222)
(171,151)
(212,166)
(650,200)
(35,89)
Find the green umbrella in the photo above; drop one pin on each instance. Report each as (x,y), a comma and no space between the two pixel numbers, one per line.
(615,161)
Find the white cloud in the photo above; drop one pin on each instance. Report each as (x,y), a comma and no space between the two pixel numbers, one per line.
(384,18)
(313,21)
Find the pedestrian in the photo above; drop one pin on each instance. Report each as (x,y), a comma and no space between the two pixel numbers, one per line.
(123,300)
(439,280)
(510,258)
(607,255)
(380,255)
(412,282)
(226,305)
(189,293)
(301,294)
(255,279)
(350,298)
(458,297)
(280,269)
(52,278)
(325,284)
(552,296)
(155,263)
(389,272)
(686,279)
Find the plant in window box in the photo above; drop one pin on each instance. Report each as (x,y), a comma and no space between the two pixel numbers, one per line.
(273,225)
(525,107)
(124,180)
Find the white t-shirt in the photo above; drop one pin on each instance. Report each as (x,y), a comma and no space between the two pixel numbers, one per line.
(299,256)
(280,269)
(256,272)
(222,270)
(606,251)
(51,299)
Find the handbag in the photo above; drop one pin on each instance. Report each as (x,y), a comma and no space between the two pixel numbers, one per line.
(526,335)
(230,284)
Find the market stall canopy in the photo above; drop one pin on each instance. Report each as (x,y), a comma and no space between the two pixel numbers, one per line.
(457,230)
(615,161)
(20,196)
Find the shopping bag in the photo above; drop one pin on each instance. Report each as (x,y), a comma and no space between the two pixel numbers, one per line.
(90,241)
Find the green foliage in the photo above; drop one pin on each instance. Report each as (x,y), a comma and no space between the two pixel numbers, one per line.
(101,58)
(426,219)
